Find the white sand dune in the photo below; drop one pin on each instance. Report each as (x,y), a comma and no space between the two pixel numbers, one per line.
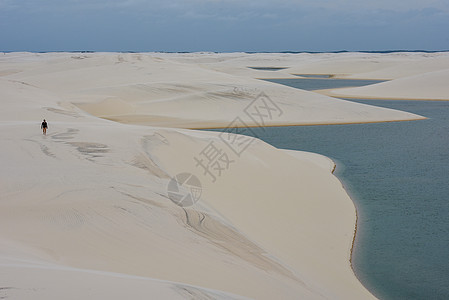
(340,65)
(162,91)
(54,282)
(84,210)
(426,86)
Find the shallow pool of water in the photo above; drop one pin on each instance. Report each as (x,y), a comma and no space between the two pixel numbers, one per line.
(397,173)
(315,83)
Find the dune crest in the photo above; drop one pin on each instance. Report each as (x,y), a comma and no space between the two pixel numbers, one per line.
(89,201)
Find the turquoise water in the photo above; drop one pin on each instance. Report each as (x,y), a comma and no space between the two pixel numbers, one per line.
(398,176)
(313,75)
(267,68)
(321,83)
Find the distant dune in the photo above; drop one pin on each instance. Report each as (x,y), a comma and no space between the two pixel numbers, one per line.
(85,210)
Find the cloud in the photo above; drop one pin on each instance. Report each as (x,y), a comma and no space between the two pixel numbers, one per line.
(31,6)
(226,9)
(7,5)
(223,25)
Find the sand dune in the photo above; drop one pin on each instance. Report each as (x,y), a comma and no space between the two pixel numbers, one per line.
(339,65)
(426,86)
(163,91)
(88,202)
(54,282)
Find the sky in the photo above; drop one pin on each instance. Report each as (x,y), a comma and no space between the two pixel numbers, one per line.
(223,25)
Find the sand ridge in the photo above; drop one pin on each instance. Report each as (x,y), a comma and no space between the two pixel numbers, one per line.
(91,195)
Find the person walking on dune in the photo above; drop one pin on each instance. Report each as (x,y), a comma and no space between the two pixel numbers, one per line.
(44,127)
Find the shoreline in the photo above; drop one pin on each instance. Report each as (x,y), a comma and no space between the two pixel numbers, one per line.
(331,171)
(352,197)
(110,210)
(271,125)
(331,77)
(313,124)
(330,93)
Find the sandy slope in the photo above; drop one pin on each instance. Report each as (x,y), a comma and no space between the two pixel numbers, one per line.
(163,91)
(55,282)
(425,86)
(413,75)
(88,202)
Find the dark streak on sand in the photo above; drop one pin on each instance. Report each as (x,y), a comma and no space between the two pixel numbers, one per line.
(230,240)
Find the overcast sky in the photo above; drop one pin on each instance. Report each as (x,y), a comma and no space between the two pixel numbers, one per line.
(223,25)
